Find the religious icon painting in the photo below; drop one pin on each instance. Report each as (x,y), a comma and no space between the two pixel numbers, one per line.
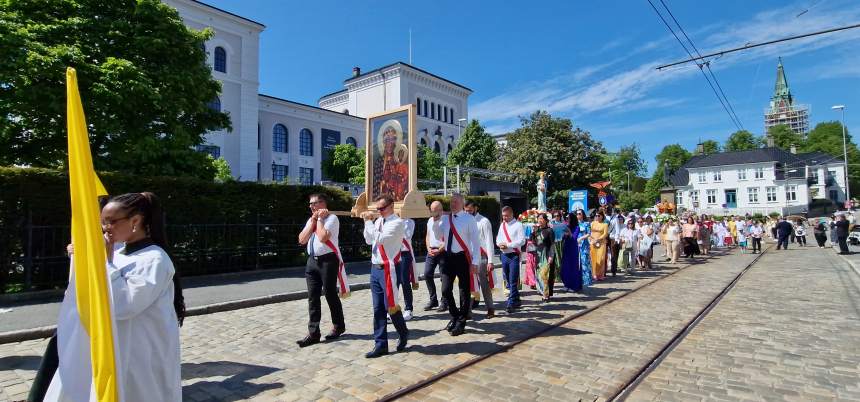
(390,154)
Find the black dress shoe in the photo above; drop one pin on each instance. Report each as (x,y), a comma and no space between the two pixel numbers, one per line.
(442,308)
(459,329)
(475,303)
(518,304)
(450,325)
(509,309)
(376,352)
(335,333)
(431,305)
(308,341)
(401,344)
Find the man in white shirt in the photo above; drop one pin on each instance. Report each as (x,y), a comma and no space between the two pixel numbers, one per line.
(511,237)
(320,236)
(462,256)
(404,268)
(614,240)
(756,231)
(385,235)
(435,257)
(485,229)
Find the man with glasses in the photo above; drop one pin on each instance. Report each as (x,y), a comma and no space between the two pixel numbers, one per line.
(462,257)
(323,265)
(511,237)
(385,235)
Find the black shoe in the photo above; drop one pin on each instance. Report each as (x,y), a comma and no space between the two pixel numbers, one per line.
(509,309)
(376,352)
(335,333)
(518,304)
(442,308)
(450,325)
(401,344)
(308,341)
(475,304)
(459,329)
(431,305)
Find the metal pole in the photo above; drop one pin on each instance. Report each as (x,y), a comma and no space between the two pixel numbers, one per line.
(444,181)
(257,235)
(28,258)
(458,178)
(845,155)
(628,181)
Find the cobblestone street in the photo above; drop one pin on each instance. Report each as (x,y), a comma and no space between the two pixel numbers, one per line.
(786,331)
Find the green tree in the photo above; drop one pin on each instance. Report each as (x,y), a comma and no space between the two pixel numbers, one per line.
(742,140)
(340,159)
(356,171)
(222,169)
(142,78)
(476,148)
(784,138)
(629,200)
(677,156)
(571,158)
(712,147)
(827,137)
(627,162)
(639,184)
(429,166)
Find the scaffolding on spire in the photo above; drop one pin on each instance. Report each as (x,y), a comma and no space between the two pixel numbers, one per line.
(782,108)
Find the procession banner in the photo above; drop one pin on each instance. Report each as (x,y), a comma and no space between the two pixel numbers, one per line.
(577,200)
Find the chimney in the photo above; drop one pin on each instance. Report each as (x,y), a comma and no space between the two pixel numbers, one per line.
(793,149)
(770,141)
(356,72)
(700,149)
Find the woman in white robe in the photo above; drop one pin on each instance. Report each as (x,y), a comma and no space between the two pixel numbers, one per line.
(147,301)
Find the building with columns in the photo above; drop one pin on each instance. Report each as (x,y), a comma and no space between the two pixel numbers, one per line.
(278,139)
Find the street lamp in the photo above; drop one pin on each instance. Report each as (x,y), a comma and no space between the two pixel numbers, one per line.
(460,128)
(845,155)
(628,180)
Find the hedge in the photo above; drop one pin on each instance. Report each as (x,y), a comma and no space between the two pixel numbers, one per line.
(45,192)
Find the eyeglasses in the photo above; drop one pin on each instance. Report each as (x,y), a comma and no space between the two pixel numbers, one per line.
(314,203)
(109,224)
(382,208)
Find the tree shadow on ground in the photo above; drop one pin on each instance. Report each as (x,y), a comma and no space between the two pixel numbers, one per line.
(228,376)
(481,348)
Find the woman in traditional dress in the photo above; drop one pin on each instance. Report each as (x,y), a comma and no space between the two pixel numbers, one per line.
(691,238)
(543,238)
(146,299)
(562,233)
(671,233)
(599,234)
(585,248)
(705,235)
(833,238)
(571,269)
(629,239)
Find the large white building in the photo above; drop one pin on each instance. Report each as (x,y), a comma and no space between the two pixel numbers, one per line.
(761,180)
(278,139)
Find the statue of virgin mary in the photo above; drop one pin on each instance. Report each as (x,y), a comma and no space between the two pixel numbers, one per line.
(541,189)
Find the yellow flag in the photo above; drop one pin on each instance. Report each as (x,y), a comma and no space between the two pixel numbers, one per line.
(91,282)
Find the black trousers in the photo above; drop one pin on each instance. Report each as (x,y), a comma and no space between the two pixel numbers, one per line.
(456,266)
(47,369)
(614,246)
(321,277)
(430,265)
(782,241)
(843,244)
(821,238)
(756,244)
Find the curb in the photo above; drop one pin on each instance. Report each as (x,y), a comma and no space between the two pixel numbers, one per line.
(851,263)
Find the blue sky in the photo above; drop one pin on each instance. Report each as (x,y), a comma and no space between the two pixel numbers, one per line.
(592,62)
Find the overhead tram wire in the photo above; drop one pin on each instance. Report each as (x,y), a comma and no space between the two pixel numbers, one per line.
(700,67)
(706,64)
(780,25)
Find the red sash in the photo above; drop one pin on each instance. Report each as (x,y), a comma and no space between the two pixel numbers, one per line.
(413,270)
(341,272)
(390,287)
(490,279)
(474,283)
(507,236)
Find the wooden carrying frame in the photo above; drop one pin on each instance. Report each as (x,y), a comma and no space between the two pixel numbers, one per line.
(413,204)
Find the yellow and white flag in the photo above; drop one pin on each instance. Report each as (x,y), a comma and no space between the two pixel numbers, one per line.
(86,327)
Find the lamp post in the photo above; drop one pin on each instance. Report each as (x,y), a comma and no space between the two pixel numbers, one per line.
(460,128)
(845,155)
(628,180)
(273,170)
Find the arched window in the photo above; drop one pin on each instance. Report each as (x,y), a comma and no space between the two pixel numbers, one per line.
(432,110)
(215,105)
(351,141)
(453,119)
(279,138)
(419,106)
(306,143)
(436,148)
(423,142)
(220,59)
(438,112)
(425,108)
(446,114)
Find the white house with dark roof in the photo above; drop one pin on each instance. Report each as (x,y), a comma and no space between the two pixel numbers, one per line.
(278,139)
(761,180)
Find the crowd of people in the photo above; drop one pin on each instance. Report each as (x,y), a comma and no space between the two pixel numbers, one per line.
(576,250)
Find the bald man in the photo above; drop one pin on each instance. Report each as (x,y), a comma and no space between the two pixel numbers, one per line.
(435,257)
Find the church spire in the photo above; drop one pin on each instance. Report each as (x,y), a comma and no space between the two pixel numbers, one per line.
(781,94)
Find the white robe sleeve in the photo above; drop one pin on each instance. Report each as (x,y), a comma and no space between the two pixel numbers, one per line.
(137,289)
